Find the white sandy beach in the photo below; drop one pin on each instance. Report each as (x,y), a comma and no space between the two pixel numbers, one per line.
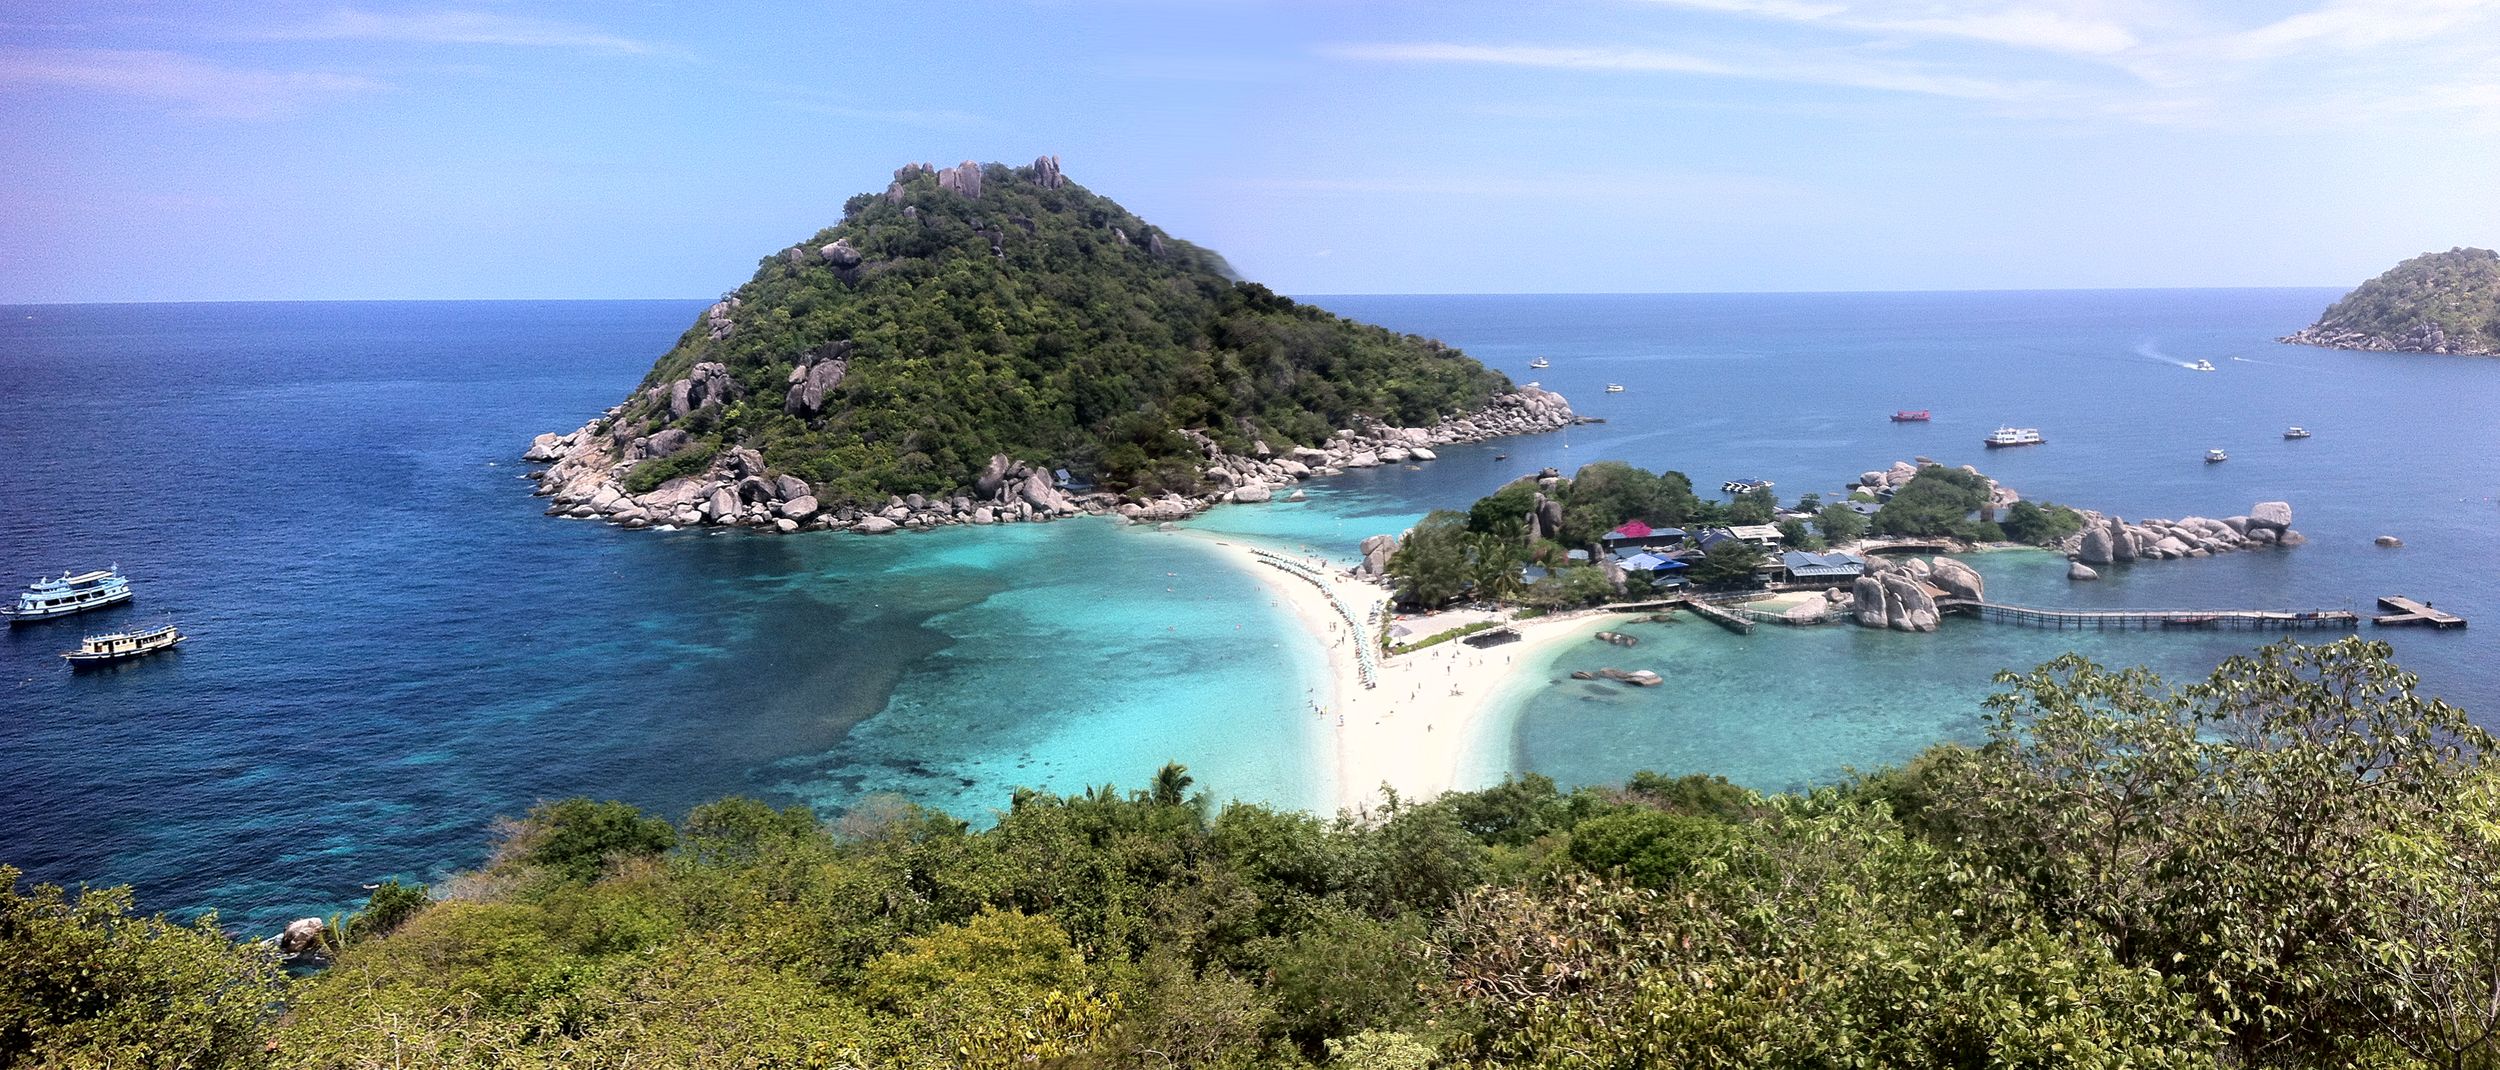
(1438,718)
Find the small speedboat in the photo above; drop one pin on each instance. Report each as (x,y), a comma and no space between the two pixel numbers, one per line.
(2216,456)
(1614,388)
(2296,432)
(1540,362)
(1911,416)
(122,646)
(2202,366)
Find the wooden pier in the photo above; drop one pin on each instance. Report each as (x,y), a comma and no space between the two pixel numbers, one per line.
(2411,613)
(2261,620)
(1721,616)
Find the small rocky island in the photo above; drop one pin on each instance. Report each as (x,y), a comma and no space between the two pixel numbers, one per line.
(987,344)
(2434,303)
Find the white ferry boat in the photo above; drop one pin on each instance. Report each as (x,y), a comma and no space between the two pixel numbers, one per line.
(2216,456)
(119,646)
(2014,436)
(1540,362)
(2295,431)
(47,598)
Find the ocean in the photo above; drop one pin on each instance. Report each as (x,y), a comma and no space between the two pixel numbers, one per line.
(392,646)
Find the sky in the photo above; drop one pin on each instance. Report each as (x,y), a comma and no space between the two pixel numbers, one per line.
(632,149)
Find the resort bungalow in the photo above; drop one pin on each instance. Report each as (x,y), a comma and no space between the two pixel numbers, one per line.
(1766,536)
(1662,571)
(1831,569)
(1635,535)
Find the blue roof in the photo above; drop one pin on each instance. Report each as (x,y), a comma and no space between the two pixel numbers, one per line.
(1653,563)
(1803,563)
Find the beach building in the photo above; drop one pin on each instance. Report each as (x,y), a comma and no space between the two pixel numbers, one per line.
(1831,568)
(1636,536)
(1766,536)
(1662,571)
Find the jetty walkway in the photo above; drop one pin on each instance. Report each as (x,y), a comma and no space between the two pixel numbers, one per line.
(1366,664)
(2261,620)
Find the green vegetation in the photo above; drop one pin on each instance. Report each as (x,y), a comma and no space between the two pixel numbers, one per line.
(2444,302)
(1438,638)
(647,476)
(1938,501)
(1042,322)
(85,983)
(1840,524)
(1442,559)
(2040,525)
(1730,565)
(2285,865)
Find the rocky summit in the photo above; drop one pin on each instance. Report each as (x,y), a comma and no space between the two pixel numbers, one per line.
(2434,303)
(986,344)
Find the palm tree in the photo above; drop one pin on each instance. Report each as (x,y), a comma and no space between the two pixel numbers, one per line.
(1171,786)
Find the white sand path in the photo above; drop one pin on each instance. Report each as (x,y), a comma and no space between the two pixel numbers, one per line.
(1440,718)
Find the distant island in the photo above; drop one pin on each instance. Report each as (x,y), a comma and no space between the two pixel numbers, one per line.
(984,344)
(2434,303)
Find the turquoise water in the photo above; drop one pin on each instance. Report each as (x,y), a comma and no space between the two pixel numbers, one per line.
(1039,686)
(1789,707)
(391,645)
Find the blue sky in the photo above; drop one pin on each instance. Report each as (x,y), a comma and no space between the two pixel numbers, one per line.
(375,150)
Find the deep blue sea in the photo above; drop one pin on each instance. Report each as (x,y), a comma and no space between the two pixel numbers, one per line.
(392,646)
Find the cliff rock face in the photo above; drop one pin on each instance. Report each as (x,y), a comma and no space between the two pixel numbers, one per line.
(985,344)
(2434,303)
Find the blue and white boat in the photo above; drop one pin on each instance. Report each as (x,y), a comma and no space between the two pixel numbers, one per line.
(47,598)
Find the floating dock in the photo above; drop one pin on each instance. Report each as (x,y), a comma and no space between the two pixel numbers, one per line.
(2408,612)
(2262,620)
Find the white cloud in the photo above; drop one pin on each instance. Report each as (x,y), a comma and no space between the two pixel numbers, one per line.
(195,86)
(2155,62)
(2358,26)
(2021,27)
(453,28)
(1833,69)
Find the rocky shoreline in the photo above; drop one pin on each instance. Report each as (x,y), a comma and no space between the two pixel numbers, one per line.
(2109,540)
(587,470)
(2423,338)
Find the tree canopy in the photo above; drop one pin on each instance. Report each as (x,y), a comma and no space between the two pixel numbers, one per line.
(2286,864)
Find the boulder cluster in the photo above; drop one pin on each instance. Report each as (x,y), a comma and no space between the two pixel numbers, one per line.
(587,469)
(2109,540)
(2424,337)
(1902,594)
(1882,481)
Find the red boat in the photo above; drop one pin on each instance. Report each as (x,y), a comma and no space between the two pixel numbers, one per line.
(1910,416)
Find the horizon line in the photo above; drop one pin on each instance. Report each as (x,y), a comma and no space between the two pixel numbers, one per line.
(1295,296)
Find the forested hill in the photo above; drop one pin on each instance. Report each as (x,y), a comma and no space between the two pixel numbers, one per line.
(2434,303)
(983,311)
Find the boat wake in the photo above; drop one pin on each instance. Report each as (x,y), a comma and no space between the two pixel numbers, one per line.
(2152,352)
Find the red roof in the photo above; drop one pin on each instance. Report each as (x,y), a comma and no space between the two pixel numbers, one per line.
(1632,530)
